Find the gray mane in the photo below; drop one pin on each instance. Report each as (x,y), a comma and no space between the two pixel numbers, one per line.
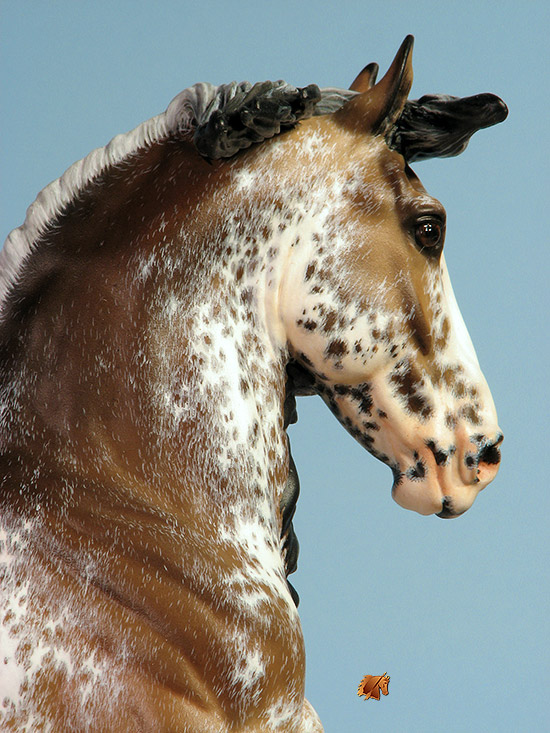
(221,120)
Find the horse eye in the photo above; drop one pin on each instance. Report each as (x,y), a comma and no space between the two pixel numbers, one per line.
(428,233)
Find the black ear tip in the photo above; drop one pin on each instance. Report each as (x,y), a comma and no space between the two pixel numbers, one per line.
(405,50)
(372,70)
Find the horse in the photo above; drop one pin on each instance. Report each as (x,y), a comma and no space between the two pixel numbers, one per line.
(162,306)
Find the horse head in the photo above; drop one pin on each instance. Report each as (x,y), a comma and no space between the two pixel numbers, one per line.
(368,309)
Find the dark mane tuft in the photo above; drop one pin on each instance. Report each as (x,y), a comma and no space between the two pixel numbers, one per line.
(439,126)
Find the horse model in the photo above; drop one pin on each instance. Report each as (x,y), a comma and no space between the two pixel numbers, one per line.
(162,305)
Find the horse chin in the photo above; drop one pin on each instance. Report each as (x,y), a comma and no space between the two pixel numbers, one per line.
(426,499)
(441,491)
(439,470)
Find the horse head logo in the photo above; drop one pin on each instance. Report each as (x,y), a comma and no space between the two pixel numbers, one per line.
(371,686)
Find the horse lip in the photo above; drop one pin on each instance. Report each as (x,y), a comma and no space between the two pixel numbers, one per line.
(447,511)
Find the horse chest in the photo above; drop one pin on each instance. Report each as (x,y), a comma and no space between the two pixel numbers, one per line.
(50,628)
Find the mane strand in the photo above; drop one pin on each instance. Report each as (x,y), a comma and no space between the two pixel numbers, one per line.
(198,108)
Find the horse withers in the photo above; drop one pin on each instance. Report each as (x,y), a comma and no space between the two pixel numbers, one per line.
(162,305)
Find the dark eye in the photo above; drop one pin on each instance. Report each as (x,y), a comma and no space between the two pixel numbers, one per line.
(428,233)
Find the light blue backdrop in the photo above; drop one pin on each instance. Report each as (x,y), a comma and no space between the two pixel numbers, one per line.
(455,611)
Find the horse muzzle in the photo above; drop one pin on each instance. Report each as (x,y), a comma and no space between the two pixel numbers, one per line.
(446,482)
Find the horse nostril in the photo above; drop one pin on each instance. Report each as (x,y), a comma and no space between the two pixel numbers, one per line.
(490,453)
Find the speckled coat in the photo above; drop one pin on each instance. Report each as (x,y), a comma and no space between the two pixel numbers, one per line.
(147,347)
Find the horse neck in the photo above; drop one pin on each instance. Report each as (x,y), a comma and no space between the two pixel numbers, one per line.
(159,390)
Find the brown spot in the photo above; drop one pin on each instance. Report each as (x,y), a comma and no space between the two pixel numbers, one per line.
(459,390)
(310,270)
(443,337)
(336,348)
(449,376)
(330,320)
(407,384)
(450,421)
(470,413)
(357,347)
(240,272)
(310,325)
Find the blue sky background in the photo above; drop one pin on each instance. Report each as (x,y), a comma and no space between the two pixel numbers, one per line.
(456,612)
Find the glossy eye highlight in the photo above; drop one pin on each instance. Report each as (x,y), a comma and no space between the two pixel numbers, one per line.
(428,233)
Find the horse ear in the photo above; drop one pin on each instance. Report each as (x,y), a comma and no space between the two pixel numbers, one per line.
(366,79)
(377,107)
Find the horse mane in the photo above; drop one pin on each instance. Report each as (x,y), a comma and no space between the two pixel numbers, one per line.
(220,120)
